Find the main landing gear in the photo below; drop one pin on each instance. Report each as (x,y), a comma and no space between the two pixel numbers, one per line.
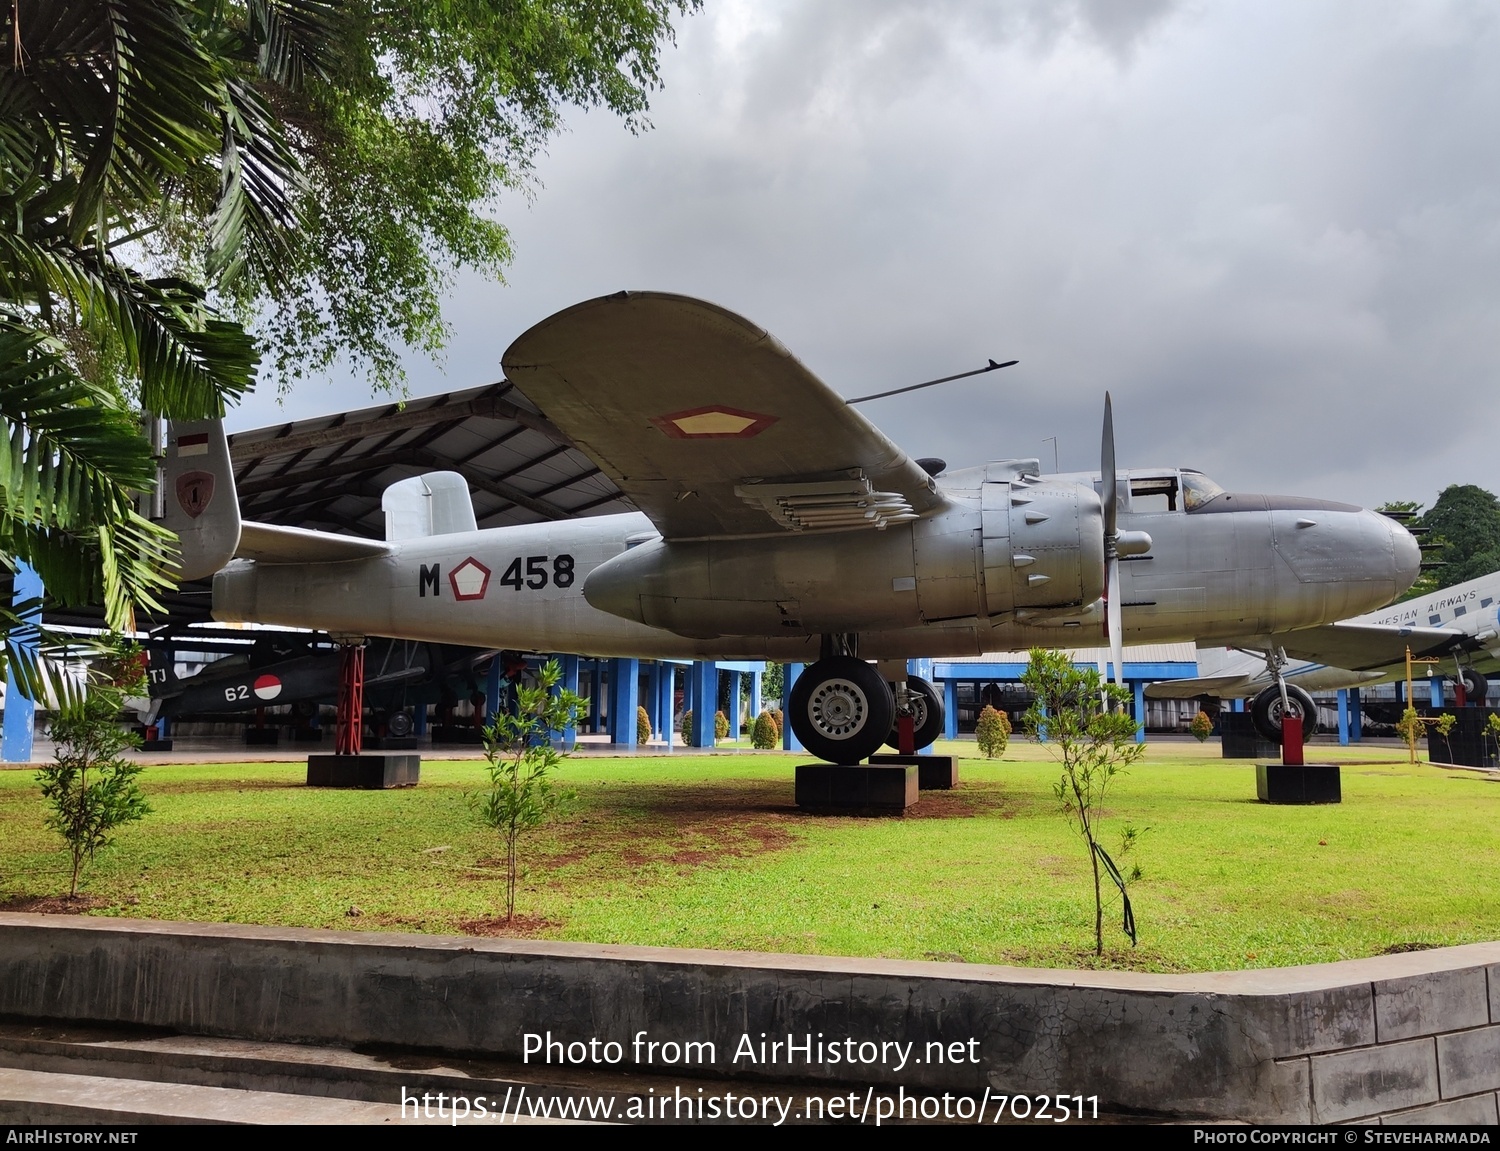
(1281,699)
(843,711)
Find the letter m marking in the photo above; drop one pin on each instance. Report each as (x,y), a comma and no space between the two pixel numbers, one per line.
(429,579)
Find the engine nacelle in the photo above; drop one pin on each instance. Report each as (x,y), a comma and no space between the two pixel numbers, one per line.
(1043,546)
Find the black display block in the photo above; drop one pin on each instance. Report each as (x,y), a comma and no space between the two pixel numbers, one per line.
(934,772)
(1304,783)
(370,772)
(1240,740)
(856,789)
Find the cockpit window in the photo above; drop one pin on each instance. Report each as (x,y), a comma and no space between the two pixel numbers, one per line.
(1153,493)
(1197,490)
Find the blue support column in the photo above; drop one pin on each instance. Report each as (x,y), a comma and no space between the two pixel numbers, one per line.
(705,677)
(667,687)
(596,697)
(950,709)
(164,727)
(755,708)
(1435,685)
(1236,705)
(419,719)
(732,713)
(653,697)
(624,698)
(789,742)
(921,668)
(1356,716)
(492,692)
(1343,695)
(569,682)
(20,712)
(1140,710)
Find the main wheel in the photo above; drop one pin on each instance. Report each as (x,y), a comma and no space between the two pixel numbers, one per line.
(926,714)
(1266,712)
(841,709)
(1476,687)
(399,724)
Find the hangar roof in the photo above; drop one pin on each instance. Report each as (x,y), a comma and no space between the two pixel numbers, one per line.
(329,472)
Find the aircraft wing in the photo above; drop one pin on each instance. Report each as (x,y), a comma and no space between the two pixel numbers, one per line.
(1361,647)
(275,544)
(708,424)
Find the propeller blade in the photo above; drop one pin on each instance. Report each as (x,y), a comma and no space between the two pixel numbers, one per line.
(1116,622)
(1107,470)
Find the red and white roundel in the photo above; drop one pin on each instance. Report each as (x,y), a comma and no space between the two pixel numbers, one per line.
(267,687)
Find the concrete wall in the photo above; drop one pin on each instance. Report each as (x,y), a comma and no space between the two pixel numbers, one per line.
(1409,1038)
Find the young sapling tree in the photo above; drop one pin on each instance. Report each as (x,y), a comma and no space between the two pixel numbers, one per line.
(1082,721)
(522,762)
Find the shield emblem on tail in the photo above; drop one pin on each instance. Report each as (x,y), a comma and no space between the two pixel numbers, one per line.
(194,491)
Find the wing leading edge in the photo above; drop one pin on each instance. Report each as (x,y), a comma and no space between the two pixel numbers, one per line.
(709,424)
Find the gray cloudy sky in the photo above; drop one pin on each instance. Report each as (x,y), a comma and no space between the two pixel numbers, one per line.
(1270,229)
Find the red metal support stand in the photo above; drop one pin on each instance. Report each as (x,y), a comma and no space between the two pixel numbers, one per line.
(1291,741)
(349,729)
(906,738)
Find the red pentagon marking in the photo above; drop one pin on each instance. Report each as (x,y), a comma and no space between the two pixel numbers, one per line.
(715,422)
(469,580)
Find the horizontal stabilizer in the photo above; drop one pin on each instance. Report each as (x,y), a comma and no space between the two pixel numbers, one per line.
(275,544)
(1193,688)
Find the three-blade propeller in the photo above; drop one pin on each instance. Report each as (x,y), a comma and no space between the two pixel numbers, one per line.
(1116,544)
(1113,619)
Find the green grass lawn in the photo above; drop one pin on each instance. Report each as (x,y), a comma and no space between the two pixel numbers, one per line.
(710,852)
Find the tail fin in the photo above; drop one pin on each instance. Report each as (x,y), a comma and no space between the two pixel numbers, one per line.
(432,504)
(201,504)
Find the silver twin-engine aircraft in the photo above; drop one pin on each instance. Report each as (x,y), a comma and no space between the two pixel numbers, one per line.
(777,522)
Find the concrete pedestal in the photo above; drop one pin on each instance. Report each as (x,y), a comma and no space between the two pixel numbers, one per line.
(1304,783)
(934,772)
(261,736)
(392,743)
(370,772)
(156,745)
(856,789)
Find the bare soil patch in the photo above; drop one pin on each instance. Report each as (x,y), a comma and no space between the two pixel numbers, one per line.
(521,927)
(54,904)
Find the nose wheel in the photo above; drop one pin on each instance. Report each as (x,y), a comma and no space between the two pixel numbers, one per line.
(1268,709)
(841,710)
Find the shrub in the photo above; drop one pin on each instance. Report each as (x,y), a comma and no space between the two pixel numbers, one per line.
(687,727)
(765,735)
(721,725)
(1201,727)
(642,727)
(992,731)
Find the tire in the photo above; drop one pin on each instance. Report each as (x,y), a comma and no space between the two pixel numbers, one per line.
(1265,712)
(399,725)
(927,715)
(1476,687)
(841,710)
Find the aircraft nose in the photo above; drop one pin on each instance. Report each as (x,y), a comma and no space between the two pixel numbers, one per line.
(1406,555)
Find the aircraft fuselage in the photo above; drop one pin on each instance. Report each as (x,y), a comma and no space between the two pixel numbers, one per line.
(1012,561)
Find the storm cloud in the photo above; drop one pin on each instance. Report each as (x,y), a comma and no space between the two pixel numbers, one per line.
(1270,229)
